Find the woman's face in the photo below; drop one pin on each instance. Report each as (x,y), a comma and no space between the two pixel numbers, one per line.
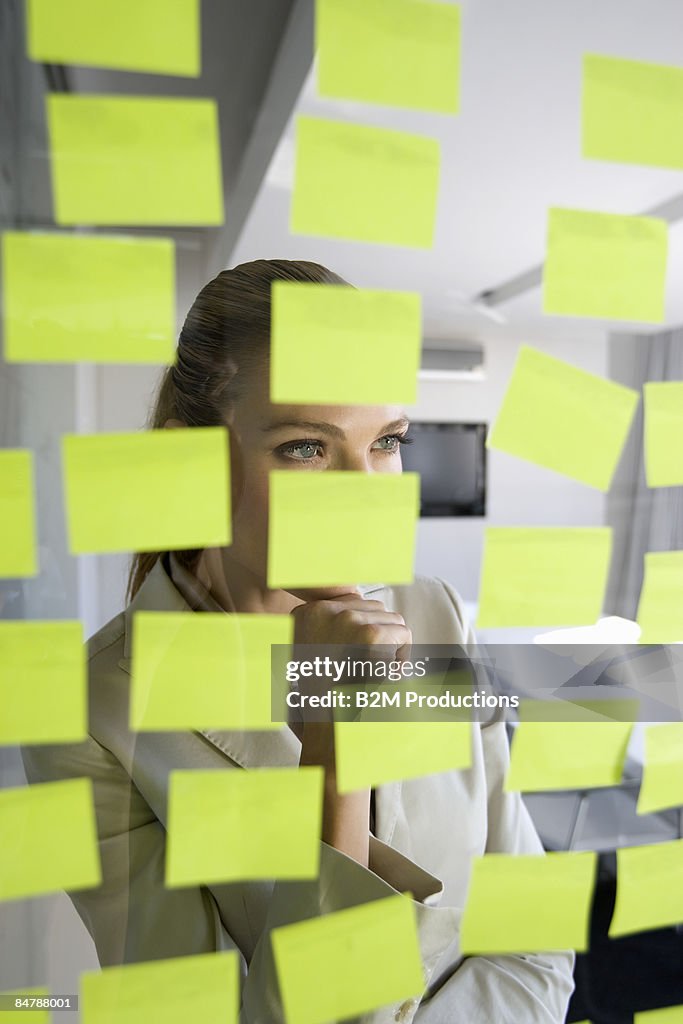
(303,439)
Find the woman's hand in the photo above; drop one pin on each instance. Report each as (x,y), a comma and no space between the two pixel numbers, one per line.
(351,620)
(366,628)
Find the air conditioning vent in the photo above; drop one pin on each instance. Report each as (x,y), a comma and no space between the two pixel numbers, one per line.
(458,363)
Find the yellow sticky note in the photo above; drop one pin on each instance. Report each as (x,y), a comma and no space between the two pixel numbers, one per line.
(230,653)
(548,736)
(605,265)
(373,753)
(43,695)
(528,903)
(228,826)
(665,1015)
(402,53)
(662,783)
(565,419)
(18,555)
(134,160)
(364,184)
(660,606)
(369,528)
(157,490)
(632,112)
(88,298)
(649,888)
(203,987)
(543,576)
(58,816)
(343,346)
(28,1010)
(663,433)
(160,36)
(348,962)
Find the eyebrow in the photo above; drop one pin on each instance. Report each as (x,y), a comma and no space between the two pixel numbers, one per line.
(329,428)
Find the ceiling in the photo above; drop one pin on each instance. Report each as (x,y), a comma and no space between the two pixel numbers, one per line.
(512,151)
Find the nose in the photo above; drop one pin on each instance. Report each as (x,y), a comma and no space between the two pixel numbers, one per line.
(356,460)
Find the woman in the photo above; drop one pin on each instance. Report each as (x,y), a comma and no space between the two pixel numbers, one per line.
(417,836)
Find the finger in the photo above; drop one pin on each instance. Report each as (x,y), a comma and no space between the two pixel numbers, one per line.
(403,654)
(360,616)
(391,635)
(308,594)
(344,606)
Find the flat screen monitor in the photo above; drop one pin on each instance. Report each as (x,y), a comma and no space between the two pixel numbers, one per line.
(451,461)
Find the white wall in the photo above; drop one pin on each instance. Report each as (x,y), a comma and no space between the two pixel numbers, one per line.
(519,493)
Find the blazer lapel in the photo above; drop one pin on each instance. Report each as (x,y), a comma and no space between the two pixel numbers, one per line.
(249,749)
(276,748)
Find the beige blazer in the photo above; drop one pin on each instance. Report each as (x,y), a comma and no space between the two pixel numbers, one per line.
(427,831)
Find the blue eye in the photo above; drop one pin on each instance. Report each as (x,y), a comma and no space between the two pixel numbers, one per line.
(289,450)
(308,449)
(396,440)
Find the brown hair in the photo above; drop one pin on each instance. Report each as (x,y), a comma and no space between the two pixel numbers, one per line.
(226,329)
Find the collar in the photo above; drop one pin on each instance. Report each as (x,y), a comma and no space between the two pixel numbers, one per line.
(156,593)
(178,590)
(159,592)
(197,595)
